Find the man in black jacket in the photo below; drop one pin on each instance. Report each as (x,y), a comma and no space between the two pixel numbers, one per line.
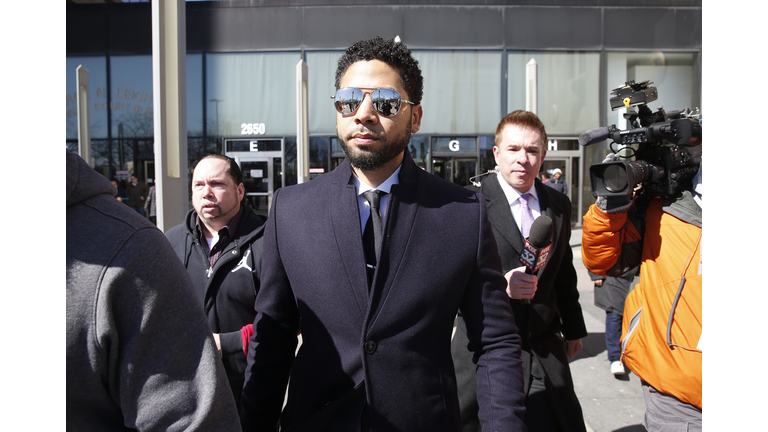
(545,304)
(137,193)
(220,246)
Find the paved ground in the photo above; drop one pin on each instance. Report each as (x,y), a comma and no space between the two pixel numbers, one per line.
(609,404)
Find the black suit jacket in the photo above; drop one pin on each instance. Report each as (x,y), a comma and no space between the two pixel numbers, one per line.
(438,255)
(555,308)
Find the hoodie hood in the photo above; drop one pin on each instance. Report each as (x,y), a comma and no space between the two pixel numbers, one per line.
(83,182)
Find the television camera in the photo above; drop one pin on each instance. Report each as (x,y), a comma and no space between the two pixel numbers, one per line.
(660,142)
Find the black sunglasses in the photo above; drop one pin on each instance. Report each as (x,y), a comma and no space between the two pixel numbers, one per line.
(385,101)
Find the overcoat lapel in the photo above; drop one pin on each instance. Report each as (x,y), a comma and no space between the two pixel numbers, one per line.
(345,220)
(401,215)
(500,215)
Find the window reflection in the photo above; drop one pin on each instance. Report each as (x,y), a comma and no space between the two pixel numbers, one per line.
(568,89)
(195,94)
(318,153)
(418,146)
(251,88)
(487,160)
(131,96)
(462,91)
(97,85)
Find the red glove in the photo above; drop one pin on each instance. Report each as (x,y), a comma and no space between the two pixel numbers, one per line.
(246,333)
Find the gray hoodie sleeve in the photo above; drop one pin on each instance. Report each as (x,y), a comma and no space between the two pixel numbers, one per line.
(140,353)
(167,374)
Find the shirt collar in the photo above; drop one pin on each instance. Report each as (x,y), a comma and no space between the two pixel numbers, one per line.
(511,193)
(386,187)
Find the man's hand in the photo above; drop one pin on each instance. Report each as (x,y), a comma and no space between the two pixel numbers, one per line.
(572,347)
(598,282)
(218,342)
(520,285)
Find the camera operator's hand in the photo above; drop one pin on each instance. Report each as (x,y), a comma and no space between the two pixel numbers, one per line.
(613,204)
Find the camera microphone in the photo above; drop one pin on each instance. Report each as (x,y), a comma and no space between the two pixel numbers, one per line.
(537,246)
(594,136)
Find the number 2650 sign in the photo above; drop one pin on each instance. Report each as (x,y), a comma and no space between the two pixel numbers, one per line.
(253,129)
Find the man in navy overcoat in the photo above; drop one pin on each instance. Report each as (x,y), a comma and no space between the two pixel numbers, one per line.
(378,357)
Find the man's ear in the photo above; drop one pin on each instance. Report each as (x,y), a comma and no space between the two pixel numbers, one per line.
(416,115)
(241,191)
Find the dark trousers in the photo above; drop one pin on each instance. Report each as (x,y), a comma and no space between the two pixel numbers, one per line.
(539,415)
(613,335)
(466,378)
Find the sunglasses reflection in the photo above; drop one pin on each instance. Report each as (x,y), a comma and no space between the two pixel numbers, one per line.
(386,102)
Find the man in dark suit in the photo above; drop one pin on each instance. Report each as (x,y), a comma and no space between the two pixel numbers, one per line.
(376,323)
(545,304)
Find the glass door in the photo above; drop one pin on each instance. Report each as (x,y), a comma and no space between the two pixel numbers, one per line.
(455,170)
(558,167)
(261,162)
(257,179)
(463,170)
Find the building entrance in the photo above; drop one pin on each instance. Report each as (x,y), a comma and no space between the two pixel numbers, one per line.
(256,179)
(455,170)
(554,163)
(565,154)
(261,163)
(455,158)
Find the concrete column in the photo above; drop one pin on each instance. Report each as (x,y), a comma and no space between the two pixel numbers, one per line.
(532,87)
(302,123)
(83,117)
(169,81)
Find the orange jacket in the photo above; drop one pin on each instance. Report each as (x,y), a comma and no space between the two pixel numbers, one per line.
(664,356)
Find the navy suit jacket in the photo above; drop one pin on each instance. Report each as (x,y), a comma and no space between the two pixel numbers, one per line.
(438,255)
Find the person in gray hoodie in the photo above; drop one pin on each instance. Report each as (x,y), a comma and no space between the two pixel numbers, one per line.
(140,353)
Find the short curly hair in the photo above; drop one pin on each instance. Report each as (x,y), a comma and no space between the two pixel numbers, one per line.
(395,54)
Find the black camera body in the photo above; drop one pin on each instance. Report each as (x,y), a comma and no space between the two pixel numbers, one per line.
(663,162)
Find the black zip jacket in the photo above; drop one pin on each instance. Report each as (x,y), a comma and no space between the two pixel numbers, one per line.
(227,290)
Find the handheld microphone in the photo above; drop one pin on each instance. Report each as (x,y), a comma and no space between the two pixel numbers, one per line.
(594,136)
(537,246)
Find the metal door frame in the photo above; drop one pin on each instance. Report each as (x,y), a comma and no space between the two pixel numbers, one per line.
(261,156)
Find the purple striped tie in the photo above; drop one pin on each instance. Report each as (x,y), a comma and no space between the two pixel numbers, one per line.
(527,219)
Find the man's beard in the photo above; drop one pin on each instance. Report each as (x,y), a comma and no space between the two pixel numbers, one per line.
(371,160)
